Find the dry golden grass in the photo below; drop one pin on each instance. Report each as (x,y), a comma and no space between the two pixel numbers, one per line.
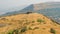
(33,23)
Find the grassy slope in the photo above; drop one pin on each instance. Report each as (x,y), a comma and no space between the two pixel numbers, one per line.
(28,24)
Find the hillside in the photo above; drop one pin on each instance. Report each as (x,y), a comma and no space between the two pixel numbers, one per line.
(32,23)
(50,9)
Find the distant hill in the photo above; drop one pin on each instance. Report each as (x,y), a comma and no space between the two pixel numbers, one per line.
(32,23)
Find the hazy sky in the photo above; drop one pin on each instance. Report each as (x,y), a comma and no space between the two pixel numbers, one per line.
(9,5)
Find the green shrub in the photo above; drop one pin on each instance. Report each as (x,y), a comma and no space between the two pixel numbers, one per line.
(11,32)
(23,29)
(40,20)
(52,31)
